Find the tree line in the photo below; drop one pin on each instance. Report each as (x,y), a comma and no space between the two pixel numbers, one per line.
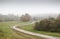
(9,17)
(48,24)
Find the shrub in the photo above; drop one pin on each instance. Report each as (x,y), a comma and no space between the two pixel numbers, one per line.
(50,24)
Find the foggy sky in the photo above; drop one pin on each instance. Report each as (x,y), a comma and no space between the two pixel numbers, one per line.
(32,7)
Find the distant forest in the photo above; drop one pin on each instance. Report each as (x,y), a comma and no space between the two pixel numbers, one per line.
(9,17)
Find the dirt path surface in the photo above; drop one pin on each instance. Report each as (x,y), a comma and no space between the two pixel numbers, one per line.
(31,33)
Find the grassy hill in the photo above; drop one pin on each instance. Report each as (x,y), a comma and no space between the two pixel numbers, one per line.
(7,33)
(30,28)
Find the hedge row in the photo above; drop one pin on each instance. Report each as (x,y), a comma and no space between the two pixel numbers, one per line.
(50,24)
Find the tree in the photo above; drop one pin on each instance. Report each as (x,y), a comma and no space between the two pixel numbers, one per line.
(50,24)
(25,17)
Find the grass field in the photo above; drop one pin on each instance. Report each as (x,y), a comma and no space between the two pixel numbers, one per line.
(7,33)
(30,28)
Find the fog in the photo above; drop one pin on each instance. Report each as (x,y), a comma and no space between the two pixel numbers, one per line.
(33,7)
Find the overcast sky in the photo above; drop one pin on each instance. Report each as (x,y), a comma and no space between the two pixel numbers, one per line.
(32,7)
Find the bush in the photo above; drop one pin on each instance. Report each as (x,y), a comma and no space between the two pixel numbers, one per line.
(50,24)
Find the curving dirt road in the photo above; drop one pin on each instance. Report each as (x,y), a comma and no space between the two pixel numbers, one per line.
(31,33)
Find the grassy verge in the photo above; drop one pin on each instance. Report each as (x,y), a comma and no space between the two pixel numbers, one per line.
(26,36)
(30,28)
(7,33)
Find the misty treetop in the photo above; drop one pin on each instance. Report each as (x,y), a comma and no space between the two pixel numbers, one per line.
(25,17)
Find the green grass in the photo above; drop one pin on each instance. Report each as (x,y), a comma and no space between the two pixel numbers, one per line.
(30,28)
(7,33)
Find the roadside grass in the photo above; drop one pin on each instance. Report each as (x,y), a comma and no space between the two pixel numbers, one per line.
(7,33)
(27,36)
(31,26)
